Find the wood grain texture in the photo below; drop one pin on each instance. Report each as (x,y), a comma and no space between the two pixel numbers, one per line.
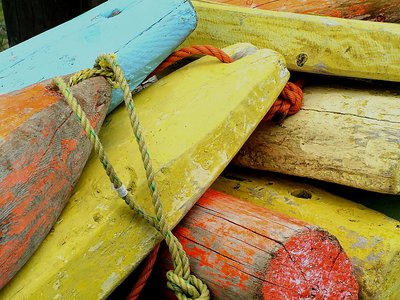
(313,44)
(243,251)
(142,33)
(42,154)
(194,121)
(374,10)
(370,239)
(342,134)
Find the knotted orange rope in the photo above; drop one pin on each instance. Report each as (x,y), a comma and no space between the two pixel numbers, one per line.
(288,103)
(144,275)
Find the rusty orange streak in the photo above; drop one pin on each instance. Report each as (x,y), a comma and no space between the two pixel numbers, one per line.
(17,107)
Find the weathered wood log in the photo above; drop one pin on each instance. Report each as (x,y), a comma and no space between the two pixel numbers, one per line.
(374,10)
(42,153)
(130,28)
(342,47)
(191,137)
(243,251)
(342,134)
(370,239)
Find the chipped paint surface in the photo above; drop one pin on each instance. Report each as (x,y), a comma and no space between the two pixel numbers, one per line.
(340,50)
(370,239)
(140,49)
(243,251)
(217,114)
(364,119)
(375,10)
(42,156)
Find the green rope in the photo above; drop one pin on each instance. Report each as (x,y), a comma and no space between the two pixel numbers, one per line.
(184,285)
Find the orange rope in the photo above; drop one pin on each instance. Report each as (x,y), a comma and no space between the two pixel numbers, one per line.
(144,274)
(193,50)
(288,103)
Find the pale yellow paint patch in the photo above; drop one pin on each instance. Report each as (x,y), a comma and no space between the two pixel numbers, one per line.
(315,44)
(194,121)
(370,239)
(342,134)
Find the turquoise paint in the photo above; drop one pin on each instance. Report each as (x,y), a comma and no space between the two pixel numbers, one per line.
(142,33)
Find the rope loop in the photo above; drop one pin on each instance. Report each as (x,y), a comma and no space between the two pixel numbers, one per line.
(288,103)
(106,65)
(193,50)
(187,289)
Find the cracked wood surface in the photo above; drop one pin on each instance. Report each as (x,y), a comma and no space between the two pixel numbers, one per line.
(243,251)
(42,154)
(369,238)
(374,10)
(342,134)
(313,44)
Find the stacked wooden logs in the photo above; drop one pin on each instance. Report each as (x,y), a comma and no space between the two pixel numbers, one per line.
(346,133)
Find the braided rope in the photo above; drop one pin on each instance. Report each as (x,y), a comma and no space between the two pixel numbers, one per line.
(185,285)
(288,103)
(144,275)
(193,50)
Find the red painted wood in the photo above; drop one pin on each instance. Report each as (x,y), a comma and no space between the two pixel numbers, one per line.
(374,10)
(42,153)
(247,252)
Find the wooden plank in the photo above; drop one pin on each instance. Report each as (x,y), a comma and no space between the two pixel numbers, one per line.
(202,118)
(374,10)
(243,251)
(131,28)
(370,239)
(314,44)
(42,153)
(342,134)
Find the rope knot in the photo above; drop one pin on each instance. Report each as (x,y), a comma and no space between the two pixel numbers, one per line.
(187,289)
(288,103)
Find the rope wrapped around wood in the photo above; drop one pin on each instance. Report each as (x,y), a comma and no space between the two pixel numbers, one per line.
(185,285)
(288,103)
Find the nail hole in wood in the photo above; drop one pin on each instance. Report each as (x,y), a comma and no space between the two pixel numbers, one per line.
(303,194)
(114,13)
(301,59)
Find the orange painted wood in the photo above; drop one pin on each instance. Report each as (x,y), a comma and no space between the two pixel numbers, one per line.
(243,251)
(374,10)
(42,153)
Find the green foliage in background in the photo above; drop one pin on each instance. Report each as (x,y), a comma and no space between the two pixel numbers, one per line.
(3,31)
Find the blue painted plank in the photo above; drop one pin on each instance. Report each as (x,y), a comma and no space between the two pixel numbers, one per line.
(142,33)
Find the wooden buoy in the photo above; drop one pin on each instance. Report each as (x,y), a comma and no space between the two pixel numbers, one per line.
(342,47)
(342,134)
(42,149)
(370,239)
(42,154)
(194,121)
(130,28)
(374,10)
(243,251)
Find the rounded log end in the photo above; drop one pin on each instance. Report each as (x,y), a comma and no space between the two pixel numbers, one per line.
(310,265)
